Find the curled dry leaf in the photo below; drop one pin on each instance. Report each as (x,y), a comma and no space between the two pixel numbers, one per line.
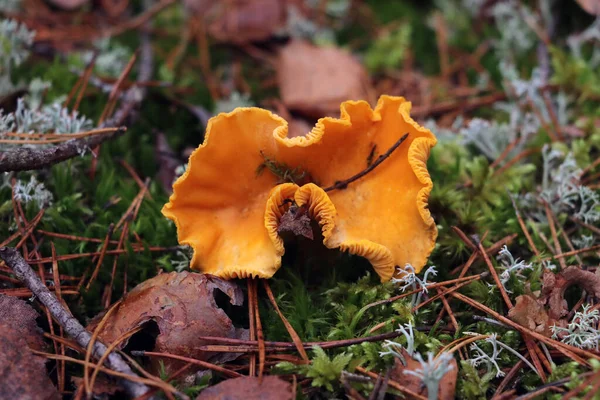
(245,21)
(22,374)
(249,388)
(555,285)
(447,384)
(529,312)
(183,307)
(540,314)
(21,317)
(315,80)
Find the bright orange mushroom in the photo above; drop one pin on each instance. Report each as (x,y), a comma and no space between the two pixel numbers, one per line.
(230,215)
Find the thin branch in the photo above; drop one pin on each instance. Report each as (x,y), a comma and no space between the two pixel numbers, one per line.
(344,184)
(65,319)
(26,159)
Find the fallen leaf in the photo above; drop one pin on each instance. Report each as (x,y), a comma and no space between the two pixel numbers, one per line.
(555,285)
(245,21)
(21,317)
(315,80)
(249,388)
(530,313)
(590,6)
(104,387)
(447,387)
(183,307)
(23,374)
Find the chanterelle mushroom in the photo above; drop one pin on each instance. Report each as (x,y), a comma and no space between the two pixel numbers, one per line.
(230,214)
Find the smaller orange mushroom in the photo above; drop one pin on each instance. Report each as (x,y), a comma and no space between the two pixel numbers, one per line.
(230,215)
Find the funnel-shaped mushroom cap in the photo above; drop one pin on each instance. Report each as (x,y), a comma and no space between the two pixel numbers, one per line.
(229,214)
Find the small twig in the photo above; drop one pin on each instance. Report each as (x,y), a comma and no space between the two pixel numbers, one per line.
(252,328)
(558,249)
(294,335)
(101,258)
(344,184)
(27,159)
(499,284)
(393,384)
(203,364)
(65,319)
(259,334)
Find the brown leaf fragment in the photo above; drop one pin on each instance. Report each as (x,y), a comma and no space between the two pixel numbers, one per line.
(249,388)
(21,317)
(530,313)
(447,387)
(555,285)
(245,21)
(104,387)
(315,80)
(183,307)
(296,221)
(22,374)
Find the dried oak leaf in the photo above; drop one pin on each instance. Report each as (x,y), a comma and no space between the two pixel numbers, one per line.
(447,388)
(315,80)
(249,388)
(183,307)
(555,285)
(22,374)
(530,313)
(245,21)
(21,317)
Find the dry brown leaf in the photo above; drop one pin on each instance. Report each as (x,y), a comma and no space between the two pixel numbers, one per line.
(530,313)
(447,384)
(104,387)
(315,80)
(245,21)
(183,307)
(590,6)
(249,388)
(550,308)
(22,374)
(21,317)
(555,285)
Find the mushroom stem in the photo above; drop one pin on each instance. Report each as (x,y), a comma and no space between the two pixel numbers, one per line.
(344,184)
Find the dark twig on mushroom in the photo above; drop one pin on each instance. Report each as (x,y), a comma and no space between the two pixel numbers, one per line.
(344,184)
(63,316)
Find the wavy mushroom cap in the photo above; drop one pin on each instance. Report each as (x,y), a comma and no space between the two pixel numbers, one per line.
(229,214)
